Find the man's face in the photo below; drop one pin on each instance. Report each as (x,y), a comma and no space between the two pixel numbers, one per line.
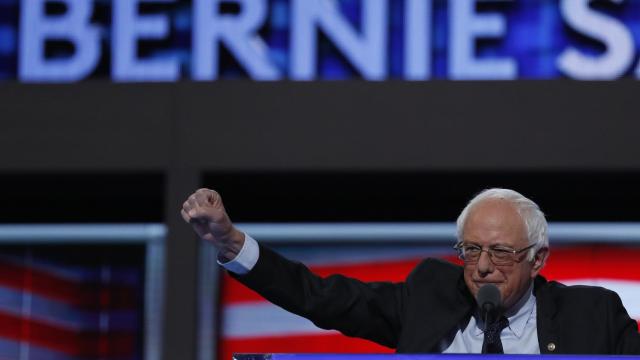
(496,222)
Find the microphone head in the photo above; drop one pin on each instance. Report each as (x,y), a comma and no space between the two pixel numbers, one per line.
(488,297)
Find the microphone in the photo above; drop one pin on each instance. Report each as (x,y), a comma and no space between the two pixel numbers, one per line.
(488,301)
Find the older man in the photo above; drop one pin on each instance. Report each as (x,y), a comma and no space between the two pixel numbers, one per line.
(502,238)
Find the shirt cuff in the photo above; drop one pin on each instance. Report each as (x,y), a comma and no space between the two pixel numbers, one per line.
(246,258)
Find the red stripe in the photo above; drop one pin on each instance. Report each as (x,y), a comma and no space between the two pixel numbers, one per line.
(86,343)
(334,343)
(25,329)
(396,270)
(234,292)
(81,294)
(593,261)
(103,341)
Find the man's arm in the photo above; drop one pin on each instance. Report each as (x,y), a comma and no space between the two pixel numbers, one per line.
(371,310)
(367,310)
(627,338)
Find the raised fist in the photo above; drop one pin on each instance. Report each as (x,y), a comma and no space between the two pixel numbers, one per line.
(206,214)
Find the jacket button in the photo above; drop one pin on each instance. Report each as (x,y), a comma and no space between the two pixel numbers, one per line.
(551,346)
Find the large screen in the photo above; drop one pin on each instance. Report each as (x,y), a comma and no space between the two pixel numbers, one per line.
(168,40)
(81,291)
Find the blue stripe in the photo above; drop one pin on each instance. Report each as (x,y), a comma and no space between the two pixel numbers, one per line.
(60,314)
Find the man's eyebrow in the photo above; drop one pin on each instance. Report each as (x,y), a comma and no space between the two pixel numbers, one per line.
(490,246)
(466,242)
(502,246)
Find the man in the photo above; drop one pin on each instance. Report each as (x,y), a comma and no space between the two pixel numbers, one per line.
(502,238)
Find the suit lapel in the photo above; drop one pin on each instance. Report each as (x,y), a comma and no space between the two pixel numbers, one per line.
(546,311)
(451,315)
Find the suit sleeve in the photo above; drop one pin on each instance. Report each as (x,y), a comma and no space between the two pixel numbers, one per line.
(367,310)
(625,330)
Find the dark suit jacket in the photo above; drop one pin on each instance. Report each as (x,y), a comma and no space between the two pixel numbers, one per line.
(415,315)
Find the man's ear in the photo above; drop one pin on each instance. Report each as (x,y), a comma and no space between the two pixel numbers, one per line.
(539,260)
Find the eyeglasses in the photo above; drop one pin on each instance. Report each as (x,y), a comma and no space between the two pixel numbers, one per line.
(499,255)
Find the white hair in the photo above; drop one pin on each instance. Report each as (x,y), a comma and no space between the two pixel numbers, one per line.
(533,218)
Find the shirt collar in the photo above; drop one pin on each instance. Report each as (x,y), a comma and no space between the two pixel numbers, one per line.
(518,315)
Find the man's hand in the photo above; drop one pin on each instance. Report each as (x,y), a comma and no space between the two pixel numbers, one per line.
(206,214)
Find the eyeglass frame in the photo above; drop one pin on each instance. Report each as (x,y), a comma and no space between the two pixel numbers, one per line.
(459,247)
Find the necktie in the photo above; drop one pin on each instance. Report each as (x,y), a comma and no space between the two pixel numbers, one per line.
(492,343)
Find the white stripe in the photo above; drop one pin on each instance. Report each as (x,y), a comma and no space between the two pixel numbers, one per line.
(629,291)
(262,319)
(339,232)
(357,255)
(277,232)
(82,233)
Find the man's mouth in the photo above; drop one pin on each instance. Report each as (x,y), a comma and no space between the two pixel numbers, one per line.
(486,282)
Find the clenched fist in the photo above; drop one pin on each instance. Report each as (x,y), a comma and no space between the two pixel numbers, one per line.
(206,214)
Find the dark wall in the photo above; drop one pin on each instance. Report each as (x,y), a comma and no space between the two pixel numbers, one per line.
(421,196)
(320,126)
(276,150)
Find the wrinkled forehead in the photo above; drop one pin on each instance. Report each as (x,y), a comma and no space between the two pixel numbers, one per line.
(495,220)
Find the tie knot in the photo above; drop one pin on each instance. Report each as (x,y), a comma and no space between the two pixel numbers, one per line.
(498,326)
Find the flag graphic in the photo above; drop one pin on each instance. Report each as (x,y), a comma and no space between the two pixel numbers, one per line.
(71,302)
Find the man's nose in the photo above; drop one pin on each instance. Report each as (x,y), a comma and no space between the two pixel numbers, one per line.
(485,265)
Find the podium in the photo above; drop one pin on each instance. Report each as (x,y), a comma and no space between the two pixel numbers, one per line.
(425,357)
